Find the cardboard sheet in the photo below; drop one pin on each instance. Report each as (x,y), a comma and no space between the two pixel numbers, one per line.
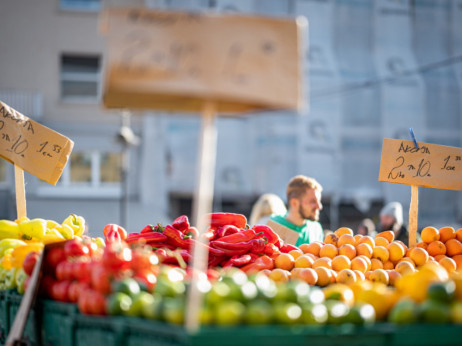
(176,61)
(431,165)
(31,146)
(289,236)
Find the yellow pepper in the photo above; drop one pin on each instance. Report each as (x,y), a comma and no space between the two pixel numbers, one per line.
(6,244)
(19,254)
(77,223)
(52,237)
(33,229)
(9,229)
(65,230)
(51,224)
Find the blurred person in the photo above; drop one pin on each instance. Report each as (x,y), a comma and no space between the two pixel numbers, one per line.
(304,206)
(391,219)
(366,227)
(266,205)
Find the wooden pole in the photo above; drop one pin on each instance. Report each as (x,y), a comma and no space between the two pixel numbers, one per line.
(202,205)
(20,192)
(413,213)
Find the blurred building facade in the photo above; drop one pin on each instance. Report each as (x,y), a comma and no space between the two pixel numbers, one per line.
(373,69)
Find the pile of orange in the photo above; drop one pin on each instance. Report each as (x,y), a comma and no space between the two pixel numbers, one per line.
(347,258)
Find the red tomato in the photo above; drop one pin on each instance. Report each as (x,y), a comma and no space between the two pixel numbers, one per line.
(60,291)
(29,262)
(75,289)
(114,227)
(81,271)
(101,278)
(65,271)
(117,257)
(53,257)
(46,284)
(97,303)
(83,301)
(148,278)
(143,259)
(75,248)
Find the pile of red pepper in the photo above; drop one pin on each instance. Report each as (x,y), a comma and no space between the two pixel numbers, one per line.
(229,242)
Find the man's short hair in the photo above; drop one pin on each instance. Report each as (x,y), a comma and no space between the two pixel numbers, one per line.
(299,184)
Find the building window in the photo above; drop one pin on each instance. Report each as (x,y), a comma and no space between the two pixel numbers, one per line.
(80,5)
(80,78)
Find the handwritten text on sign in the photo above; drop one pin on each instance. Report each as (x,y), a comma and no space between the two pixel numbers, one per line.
(32,146)
(430,165)
(175,60)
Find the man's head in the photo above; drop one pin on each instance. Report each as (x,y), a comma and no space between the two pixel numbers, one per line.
(304,197)
(391,215)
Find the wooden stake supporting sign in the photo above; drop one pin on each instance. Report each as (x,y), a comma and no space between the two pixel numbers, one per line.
(428,165)
(209,63)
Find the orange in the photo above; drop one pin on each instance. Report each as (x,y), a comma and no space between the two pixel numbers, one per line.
(347,250)
(429,234)
(388,265)
(357,238)
(328,250)
(404,245)
(359,264)
(448,263)
(343,230)
(459,234)
(376,264)
(393,275)
(422,244)
(312,248)
(405,267)
(381,241)
(364,249)
(333,278)
(368,240)
(447,233)
(379,275)
(439,257)
(436,248)
(331,238)
(309,275)
(388,235)
(279,275)
(396,251)
(296,253)
(325,262)
(345,239)
(284,261)
(419,256)
(312,256)
(368,274)
(346,276)
(458,260)
(341,262)
(368,261)
(324,276)
(381,253)
(359,275)
(304,261)
(407,259)
(453,247)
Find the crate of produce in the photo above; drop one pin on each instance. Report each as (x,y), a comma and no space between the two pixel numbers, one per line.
(143,332)
(58,322)
(97,330)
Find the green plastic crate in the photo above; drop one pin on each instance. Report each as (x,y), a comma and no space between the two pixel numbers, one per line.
(3,317)
(58,322)
(428,334)
(143,332)
(97,330)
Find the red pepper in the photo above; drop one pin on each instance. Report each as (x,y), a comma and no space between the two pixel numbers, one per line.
(173,259)
(218,220)
(271,249)
(215,260)
(175,237)
(258,246)
(227,230)
(112,236)
(268,233)
(239,261)
(161,245)
(211,250)
(261,263)
(147,237)
(286,248)
(147,229)
(112,227)
(193,232)
(181,223)
(210,234)
(244,235)
(232,249)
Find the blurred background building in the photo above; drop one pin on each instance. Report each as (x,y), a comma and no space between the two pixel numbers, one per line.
(372,70)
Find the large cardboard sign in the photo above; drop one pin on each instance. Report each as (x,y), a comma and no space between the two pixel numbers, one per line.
(176,61)
(429,165)
(289,236)
(31,146)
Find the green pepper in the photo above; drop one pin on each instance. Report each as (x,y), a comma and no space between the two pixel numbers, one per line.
(6,244)
(34,228)
(9,229)
(21,277)
(77,223)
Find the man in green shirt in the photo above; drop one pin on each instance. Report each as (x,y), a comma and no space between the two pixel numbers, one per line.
(304,206)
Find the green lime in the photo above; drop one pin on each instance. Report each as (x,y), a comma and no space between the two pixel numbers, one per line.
(361,314)
(456,312)
(287,312)
(127,285)
(337,311)
(443,292)
(173,310)
(221,291)
(206,314)
(258,312)
(314,313)
(435,312)
(118,303)
(167,288)
(229,313)
(249,291)
(404,312)
(138,302)
(152,309)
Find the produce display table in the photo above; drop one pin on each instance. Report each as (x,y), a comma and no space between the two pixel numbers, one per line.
(55,323)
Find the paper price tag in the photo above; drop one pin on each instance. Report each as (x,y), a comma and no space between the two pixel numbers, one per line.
(431,165)
(33,147)
(176,60)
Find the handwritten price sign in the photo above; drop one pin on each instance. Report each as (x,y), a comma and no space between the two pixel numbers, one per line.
(32,146)
(176,60)
(430,165)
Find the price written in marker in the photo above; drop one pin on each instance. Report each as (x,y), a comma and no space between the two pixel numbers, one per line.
(430,165)
(32,146)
